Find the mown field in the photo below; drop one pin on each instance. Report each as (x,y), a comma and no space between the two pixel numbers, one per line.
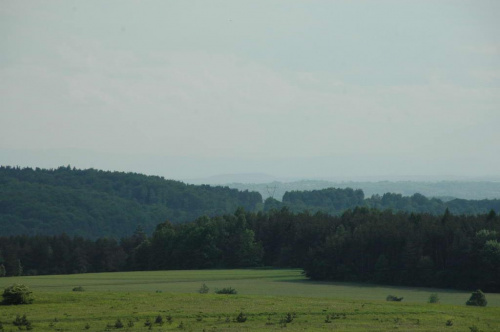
(265,297)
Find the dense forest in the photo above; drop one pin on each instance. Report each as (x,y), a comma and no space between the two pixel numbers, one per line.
(361,245)
(93,203)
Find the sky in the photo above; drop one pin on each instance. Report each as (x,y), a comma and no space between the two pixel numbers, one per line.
(302,89)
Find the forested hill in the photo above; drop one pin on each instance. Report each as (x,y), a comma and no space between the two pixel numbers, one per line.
(93,203)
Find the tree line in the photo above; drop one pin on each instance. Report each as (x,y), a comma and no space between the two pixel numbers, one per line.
(361,245)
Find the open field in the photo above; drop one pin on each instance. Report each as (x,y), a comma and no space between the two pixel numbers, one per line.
(264,296)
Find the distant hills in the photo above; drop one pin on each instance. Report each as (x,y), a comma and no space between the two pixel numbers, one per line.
(335,201)
(445,190)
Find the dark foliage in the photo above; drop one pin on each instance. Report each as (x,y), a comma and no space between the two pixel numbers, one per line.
(477,298)
(393,298)
(226,290)
(22,321)
(241,318)
(361,245)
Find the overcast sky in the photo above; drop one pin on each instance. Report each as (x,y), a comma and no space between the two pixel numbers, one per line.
(189,89)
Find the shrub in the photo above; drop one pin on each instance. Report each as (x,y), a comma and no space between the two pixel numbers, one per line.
(17,294)
(159,320)
(22,321)
(288,318)
(118,324)
(434,298)
(226,290)
(394,298)
(78,289)
(241,318)
(449,322)
(203,289)
(477,298)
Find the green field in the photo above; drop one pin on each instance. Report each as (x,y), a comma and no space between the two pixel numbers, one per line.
(264,296)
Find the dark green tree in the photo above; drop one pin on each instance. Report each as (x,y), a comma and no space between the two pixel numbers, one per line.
(477,298)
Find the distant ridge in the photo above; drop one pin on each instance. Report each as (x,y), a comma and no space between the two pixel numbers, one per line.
(446,190)
(244,178)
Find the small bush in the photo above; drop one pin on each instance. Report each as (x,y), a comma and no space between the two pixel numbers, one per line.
(434,298)
(22,321)
(87,326)
(241,318)
(17,294)
(203,289)
(130,323)
(449,322)
(474,328)
(226,290)
(477,298)
(393,298)
(288,318)
(147,322)
(78,289)
(159,320)
(118,324)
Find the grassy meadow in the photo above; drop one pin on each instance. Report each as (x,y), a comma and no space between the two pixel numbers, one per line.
(264,296)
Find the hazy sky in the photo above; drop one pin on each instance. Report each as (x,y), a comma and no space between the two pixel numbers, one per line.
(295,88)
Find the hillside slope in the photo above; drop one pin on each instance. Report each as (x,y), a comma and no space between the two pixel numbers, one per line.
(93,203)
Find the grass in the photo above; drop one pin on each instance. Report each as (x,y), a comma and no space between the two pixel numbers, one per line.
(264,296)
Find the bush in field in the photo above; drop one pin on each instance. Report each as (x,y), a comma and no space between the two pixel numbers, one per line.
(477,298)
(17,294)
(78,289)
(118,324)
(226,290)
(394,298)
(203,289)
(22,321)
(433,298)
(241,318)
(474,328)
